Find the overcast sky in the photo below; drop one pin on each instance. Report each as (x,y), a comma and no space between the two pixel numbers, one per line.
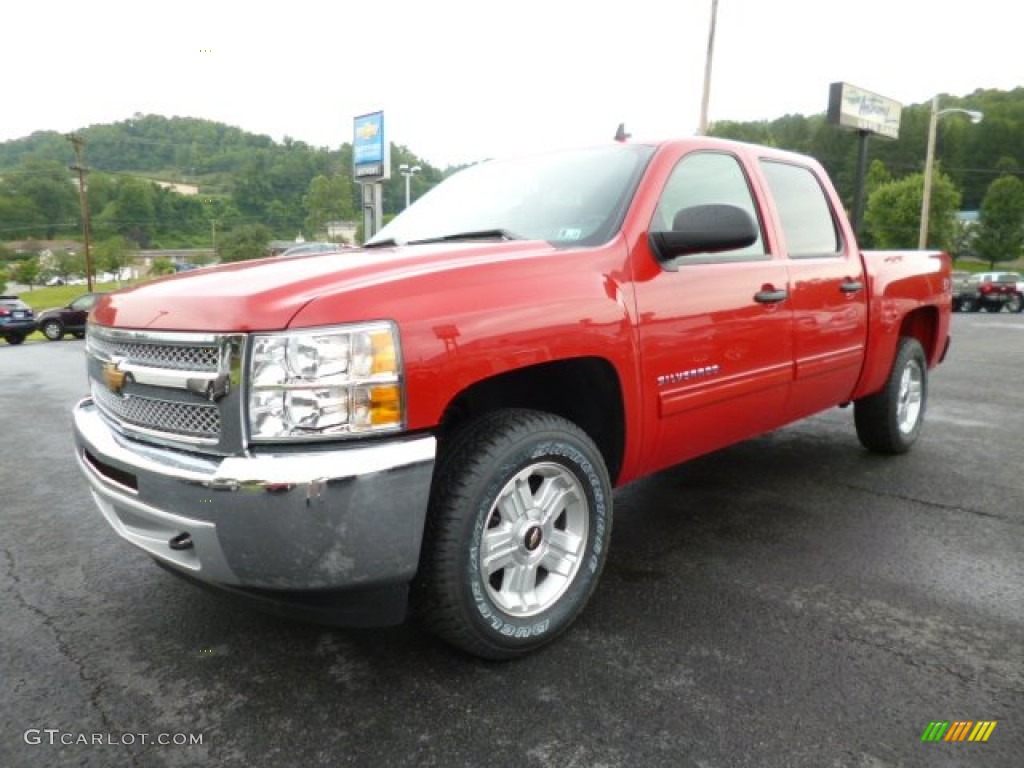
(460,80)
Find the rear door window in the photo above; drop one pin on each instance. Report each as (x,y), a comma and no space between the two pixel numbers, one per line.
(807,221)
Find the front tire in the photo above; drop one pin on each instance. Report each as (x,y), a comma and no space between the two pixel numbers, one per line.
(53,330)
(1015,304)
(890,421)
(517,534)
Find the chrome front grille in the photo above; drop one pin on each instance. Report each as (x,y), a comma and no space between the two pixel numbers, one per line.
(180,356)
(179,389)
(197,421)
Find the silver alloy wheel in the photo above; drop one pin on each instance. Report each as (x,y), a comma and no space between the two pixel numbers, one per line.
(534,539)
(52,330)
(908,409)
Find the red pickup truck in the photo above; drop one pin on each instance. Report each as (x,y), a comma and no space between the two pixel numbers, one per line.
(438,419)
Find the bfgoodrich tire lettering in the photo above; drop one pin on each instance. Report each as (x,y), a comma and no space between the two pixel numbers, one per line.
(890,421)
(517,534)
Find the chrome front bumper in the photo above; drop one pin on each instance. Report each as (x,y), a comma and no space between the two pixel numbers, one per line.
(350,517)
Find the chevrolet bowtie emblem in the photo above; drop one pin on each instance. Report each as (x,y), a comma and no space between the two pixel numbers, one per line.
(114,377)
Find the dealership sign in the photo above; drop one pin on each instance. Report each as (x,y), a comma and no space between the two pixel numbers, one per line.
(370,156)
(859,110)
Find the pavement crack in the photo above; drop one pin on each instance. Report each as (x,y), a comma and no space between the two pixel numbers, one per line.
(929,503)
(911,660)
(95,687)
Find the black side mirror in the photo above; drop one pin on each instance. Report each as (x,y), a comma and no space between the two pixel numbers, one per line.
(704,229)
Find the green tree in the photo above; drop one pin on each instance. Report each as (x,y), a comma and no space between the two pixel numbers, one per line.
(113,255)
(893,215)
(19,217)
(27,272)
(136,209)
(877,176)
(47,184)
(328,199)
(248,241)
(68,264)
(161,266)
(1001,223)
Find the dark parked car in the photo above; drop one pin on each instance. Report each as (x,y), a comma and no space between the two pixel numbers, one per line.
(17,320)
(54,323)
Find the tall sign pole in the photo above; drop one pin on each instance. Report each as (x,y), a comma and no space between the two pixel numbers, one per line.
(702,126)
(371,160)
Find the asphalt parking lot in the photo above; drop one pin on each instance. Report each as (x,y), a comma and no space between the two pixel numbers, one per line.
(791,601)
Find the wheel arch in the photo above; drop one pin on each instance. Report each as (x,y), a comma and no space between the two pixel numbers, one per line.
(923,324)
(584,390)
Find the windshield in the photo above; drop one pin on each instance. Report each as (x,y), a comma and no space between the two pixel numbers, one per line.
(570,198)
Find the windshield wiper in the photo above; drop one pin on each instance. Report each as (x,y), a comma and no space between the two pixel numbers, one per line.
(388,243)
(479,234)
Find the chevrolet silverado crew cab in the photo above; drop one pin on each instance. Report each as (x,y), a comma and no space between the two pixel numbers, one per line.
(438,420)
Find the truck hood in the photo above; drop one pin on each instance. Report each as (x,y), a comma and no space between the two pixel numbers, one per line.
(266,294)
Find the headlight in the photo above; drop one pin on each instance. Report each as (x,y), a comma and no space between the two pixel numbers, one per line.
(325,382)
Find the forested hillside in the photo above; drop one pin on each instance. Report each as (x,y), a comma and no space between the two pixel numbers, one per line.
(243,178)
(290,187)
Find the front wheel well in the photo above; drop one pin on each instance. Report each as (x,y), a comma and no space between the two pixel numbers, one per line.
(585,391)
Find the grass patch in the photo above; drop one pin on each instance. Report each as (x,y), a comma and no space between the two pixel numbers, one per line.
(972,265)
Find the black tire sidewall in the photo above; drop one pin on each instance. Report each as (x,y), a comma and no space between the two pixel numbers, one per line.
(52,324)
(877,416)
(476,461)
(491,621)
(910,350)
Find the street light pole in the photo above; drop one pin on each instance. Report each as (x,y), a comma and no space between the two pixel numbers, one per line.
(929,163)
(408,172)
(702,125)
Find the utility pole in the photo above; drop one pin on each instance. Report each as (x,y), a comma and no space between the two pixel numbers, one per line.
(79,144)
(702,126)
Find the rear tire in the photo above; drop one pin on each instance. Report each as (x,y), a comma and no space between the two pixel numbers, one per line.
(890,421)
(517,533)
(1016,303)
(15,338)
(993,307)
(53,330)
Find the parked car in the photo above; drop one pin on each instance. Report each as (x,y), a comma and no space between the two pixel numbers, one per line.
(1015,303)
(54,323)
(990,291)
(17,320)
